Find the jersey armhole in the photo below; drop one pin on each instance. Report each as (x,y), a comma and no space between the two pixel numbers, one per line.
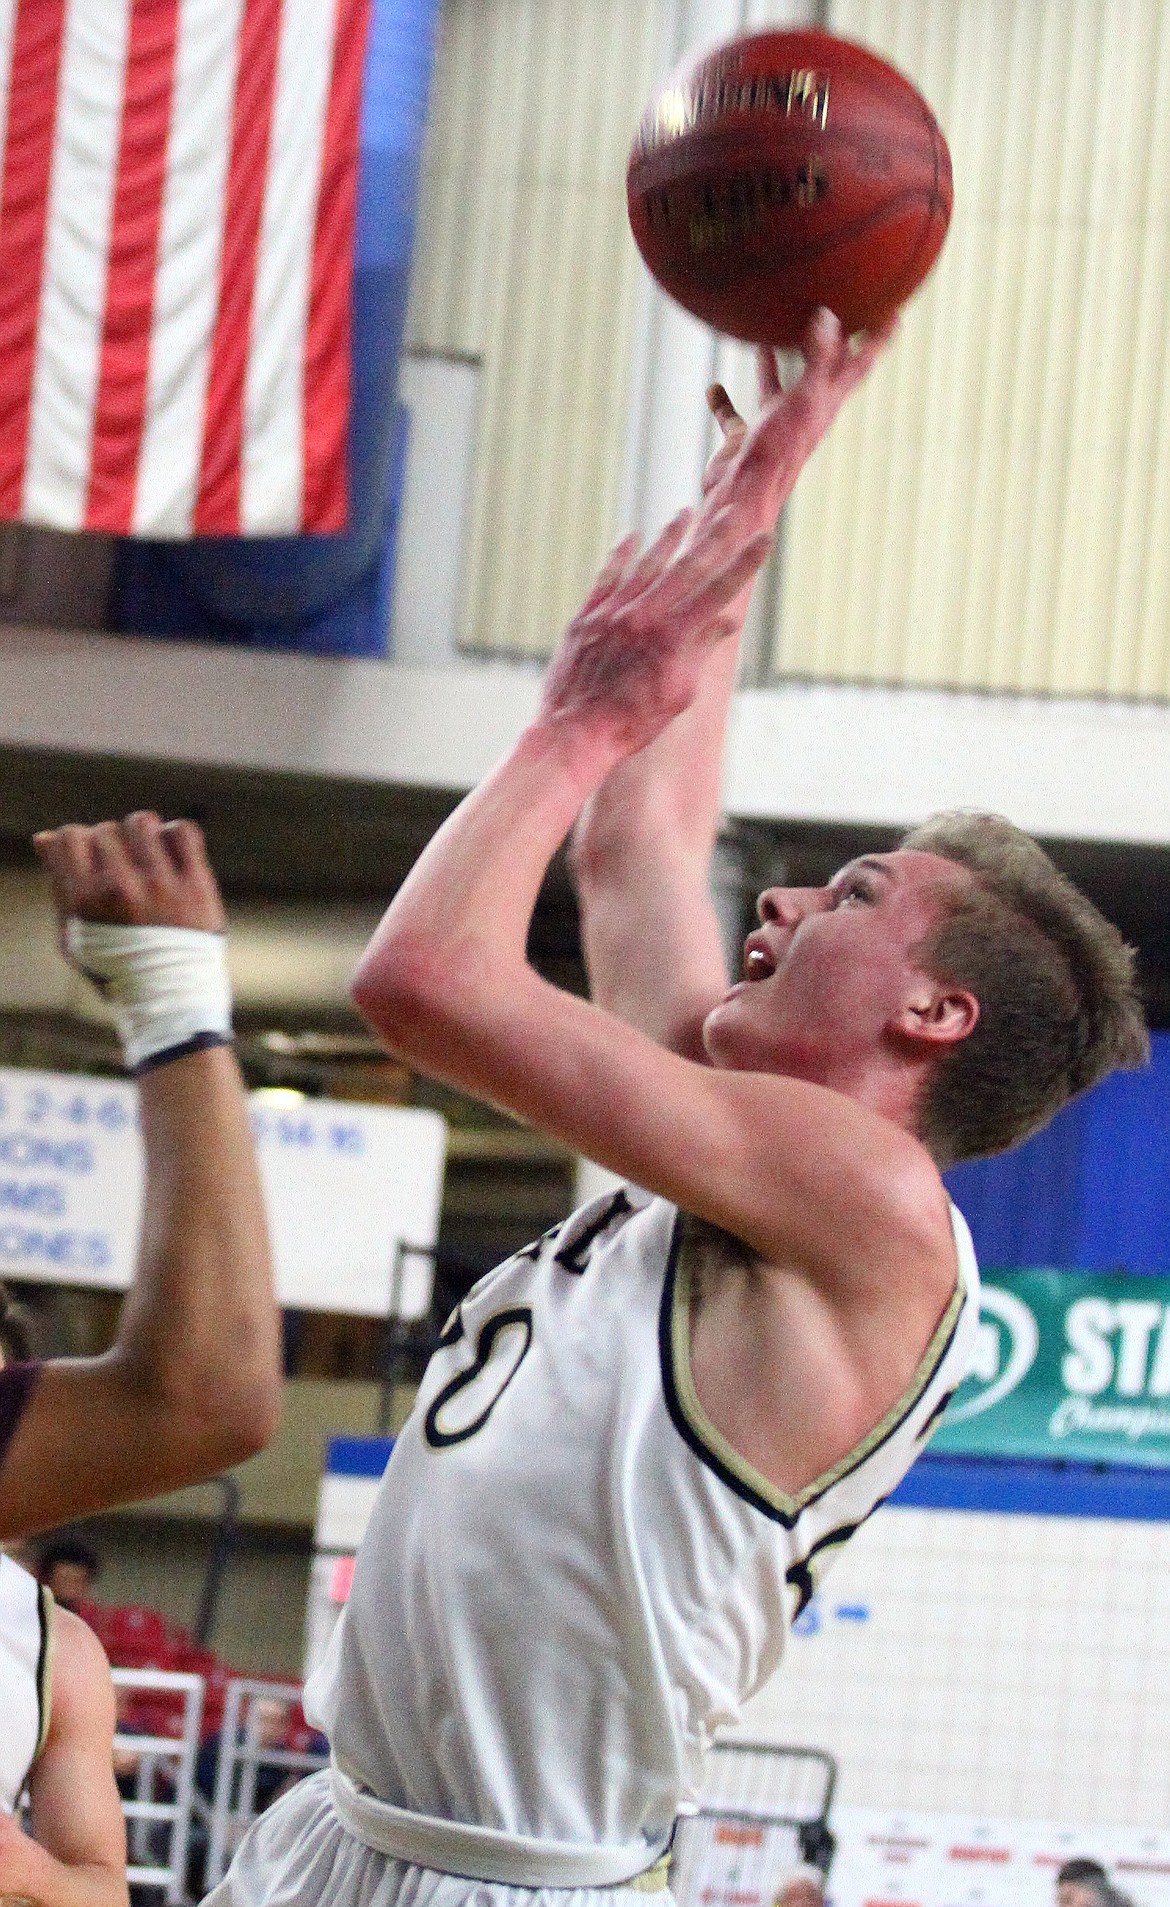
(714,1450)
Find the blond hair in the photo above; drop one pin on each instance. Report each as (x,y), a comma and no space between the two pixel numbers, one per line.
(1055,982)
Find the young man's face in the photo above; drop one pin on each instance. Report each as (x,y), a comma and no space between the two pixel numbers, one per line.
(830,968)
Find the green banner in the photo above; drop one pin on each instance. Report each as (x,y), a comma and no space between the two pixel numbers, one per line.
(1073,1365)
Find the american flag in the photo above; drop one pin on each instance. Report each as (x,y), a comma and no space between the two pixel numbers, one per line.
(176,247)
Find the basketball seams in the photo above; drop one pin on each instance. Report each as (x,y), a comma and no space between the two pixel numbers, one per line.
(719,147)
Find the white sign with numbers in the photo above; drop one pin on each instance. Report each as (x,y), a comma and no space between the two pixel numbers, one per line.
(352,1192)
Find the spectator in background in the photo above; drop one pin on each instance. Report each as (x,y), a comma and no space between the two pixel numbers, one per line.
(268,1732)
(1084,1883)
(804,1887)
(68,1568)
(267,1728)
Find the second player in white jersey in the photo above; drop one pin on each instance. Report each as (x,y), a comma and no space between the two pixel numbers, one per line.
(56,1750)
(564,1686)
(25,1627)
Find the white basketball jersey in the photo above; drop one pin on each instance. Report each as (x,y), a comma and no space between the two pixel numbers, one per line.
(570,1579)
(24,1677)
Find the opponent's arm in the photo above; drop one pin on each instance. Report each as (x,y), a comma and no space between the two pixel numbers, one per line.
(75,1854)
(796,1171)
(642,844)
(192,1382)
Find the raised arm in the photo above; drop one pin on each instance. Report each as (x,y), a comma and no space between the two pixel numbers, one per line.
(642,848)
(642,844)
(192,1381)
(445,981)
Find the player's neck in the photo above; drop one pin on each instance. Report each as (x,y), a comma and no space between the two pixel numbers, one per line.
(884,1083)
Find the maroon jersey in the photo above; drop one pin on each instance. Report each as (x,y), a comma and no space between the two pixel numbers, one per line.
(16,1387)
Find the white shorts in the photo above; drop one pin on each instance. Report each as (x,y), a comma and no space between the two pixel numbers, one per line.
(298,1854)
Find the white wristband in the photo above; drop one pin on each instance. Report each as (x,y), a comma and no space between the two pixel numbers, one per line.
(168,986)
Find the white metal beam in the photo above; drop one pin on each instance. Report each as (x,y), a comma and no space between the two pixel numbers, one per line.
(1088,770)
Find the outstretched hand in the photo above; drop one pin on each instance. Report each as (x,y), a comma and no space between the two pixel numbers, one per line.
(633,655)
(757,467)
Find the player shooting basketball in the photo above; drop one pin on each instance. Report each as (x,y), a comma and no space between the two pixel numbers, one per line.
(642,1439)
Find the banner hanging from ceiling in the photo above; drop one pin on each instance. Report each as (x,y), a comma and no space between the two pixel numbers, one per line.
(1073,1366)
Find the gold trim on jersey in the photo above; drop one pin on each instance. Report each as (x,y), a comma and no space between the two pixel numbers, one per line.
(688,1249)
(653,1880)
(45,1664)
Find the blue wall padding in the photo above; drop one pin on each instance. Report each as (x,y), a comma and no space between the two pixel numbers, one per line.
(1012,1487)
(324,593)
(1091,1192)
(357,1456)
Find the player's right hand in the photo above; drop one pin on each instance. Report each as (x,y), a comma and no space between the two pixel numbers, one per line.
(141,872)
(755,468)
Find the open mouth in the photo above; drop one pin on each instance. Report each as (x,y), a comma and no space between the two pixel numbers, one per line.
(758,961)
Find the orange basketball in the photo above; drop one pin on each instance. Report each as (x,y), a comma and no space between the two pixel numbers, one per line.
(785,171)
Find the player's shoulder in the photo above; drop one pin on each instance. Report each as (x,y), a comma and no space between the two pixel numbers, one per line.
(82,1686)
(913,1201)
(884,1202)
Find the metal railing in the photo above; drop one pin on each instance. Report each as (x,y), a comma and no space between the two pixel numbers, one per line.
(764,1810)
(242,1754)
(764,1807)
(161,1806)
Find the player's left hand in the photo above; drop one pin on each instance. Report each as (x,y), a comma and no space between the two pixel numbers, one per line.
(632,657)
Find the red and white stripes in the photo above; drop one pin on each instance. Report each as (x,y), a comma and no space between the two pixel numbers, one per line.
(176,239)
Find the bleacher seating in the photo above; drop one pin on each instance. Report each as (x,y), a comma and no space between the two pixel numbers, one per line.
(135,1636)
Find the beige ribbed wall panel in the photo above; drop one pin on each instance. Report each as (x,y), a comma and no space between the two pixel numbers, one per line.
(524,257)
(994,512)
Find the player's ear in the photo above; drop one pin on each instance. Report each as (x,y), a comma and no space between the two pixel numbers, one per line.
(937,1012)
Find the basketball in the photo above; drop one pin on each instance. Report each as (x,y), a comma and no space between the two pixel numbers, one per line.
(785,171)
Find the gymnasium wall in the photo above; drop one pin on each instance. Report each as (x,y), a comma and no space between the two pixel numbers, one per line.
(1009,1665)
(1088,1193)
(990,514)
(524,259)
(985,515)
